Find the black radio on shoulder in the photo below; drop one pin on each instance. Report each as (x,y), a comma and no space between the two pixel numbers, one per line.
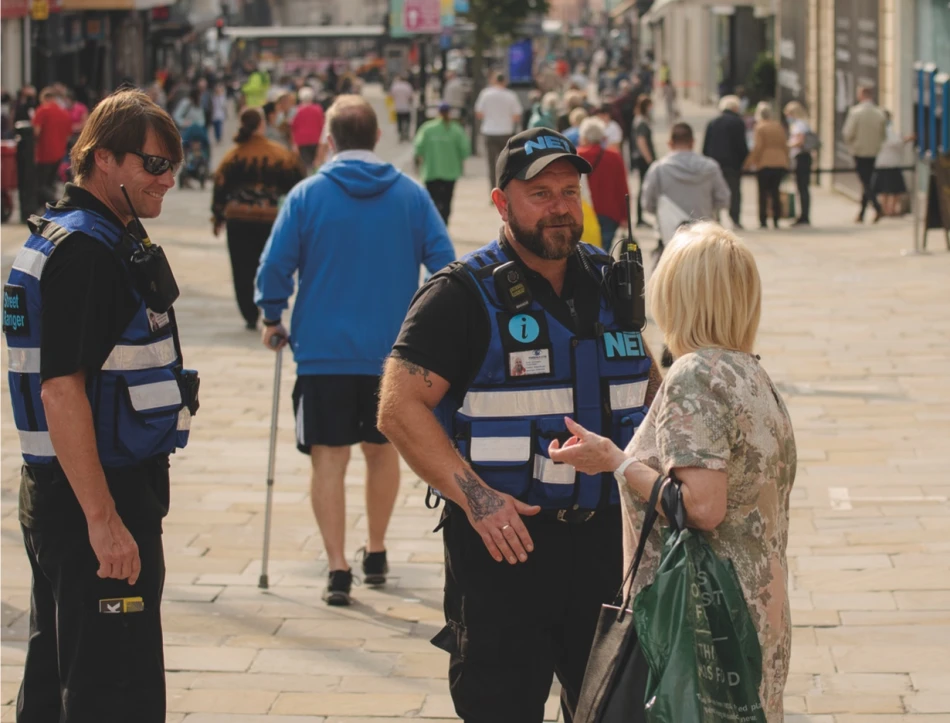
(512,287)
(151,273)
(627,282)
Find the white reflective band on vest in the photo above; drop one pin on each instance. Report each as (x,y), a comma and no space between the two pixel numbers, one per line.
(30,261)
(500,449)
(24,360)
(549,472)
(519,403)
(37,444)
(153,396)
(628,396)
(184,420)
(126,358)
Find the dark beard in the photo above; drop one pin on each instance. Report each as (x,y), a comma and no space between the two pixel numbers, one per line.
(561,241)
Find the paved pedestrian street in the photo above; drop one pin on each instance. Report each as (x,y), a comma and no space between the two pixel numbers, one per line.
(857,338)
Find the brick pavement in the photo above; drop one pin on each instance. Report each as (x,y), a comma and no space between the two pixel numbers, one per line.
(858,340)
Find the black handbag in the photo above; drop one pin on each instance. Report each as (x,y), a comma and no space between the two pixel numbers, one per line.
(615,679)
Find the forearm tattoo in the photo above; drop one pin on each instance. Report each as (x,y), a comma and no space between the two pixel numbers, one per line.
(416,370)
(482,501)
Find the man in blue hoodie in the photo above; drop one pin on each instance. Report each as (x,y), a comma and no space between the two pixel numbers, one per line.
(356,234)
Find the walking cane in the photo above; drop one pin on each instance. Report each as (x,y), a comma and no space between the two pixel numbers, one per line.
(262,583)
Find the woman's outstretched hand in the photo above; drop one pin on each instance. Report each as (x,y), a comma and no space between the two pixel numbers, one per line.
(586,451)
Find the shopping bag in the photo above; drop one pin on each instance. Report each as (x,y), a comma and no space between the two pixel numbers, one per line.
(695,631)
(616,674)
(592,234)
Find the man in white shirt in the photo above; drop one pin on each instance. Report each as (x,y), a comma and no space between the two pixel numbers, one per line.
(499,111)
(402,94)
(455,93)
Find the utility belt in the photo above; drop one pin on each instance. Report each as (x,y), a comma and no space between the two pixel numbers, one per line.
(569,516)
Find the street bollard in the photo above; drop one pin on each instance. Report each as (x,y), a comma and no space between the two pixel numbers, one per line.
(26,170)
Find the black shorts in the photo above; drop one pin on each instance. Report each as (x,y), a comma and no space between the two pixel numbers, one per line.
(336,410)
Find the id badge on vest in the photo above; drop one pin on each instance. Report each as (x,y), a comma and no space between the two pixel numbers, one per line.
(157,323)
(527,345)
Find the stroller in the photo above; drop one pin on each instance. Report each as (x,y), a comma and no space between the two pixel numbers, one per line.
(197,159)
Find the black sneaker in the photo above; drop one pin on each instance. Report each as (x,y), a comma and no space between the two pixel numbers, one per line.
(375,567)
(338,587)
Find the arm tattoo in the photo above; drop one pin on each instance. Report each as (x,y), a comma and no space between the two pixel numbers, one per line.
(482,500)
(415,370)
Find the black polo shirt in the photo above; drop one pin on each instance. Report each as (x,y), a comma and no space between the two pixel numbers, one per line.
(447,329)
(87,297)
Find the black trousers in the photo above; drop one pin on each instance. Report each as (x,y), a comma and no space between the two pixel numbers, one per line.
(441,193)
(83,663)
(865,168)
(769,181)
(403,124)
(46,182)
(642,167)
(511,628)
(802,179)
(246,241)
(733,178)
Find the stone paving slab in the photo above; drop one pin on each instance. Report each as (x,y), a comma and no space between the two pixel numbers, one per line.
(856,337)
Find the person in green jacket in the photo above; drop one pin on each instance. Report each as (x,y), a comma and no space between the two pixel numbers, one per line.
(255,87)
(441,147)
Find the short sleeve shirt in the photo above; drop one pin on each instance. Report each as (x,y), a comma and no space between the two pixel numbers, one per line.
(717,409)
(499,107)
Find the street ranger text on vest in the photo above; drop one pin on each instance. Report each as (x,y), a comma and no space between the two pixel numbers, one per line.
(100,400)
(551,345)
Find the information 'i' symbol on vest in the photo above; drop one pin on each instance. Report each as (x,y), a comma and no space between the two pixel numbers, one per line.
(524,328)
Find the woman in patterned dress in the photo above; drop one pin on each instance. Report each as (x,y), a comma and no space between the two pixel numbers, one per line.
(719,422)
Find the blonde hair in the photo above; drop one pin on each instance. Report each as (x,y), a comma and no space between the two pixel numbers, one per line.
(796,110)
(763,111)
(577,116)
(705,292)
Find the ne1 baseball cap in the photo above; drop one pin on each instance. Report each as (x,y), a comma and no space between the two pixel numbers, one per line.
(528,153)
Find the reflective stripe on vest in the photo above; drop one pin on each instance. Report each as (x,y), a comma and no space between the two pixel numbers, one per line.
(506,421)
(135,398)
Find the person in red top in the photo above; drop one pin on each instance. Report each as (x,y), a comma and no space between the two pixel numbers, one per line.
(608,180)
(307,127)
(53,128)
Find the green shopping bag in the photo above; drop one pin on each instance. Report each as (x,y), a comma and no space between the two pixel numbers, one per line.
(704,658)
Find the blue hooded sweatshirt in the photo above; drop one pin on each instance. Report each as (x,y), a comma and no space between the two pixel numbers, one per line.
(356,234)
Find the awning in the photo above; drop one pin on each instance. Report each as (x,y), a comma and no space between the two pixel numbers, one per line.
(659,9)
(641,6)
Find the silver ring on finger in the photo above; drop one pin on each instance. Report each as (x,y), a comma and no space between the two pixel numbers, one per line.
(505,527)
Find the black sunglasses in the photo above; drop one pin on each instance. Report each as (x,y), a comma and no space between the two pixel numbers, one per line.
(156,165)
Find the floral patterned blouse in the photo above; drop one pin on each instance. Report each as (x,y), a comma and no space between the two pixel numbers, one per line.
(718,409)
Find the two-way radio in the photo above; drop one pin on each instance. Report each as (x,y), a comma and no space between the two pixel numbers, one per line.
(627,281)
(151,274)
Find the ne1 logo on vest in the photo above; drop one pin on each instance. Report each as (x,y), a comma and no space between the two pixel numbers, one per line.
(623,344)
(543,143)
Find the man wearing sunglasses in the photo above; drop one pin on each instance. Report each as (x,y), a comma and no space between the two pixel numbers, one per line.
(95,381)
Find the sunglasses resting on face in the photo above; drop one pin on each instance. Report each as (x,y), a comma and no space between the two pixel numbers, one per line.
(155,165)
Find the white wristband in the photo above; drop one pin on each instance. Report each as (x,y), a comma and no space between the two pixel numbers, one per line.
(620,472)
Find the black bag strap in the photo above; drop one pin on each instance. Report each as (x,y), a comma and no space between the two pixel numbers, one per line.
(649,521)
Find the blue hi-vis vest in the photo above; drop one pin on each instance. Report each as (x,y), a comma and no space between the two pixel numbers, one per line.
(537,371)
(136,401)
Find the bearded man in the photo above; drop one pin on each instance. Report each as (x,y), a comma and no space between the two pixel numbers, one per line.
(495,352)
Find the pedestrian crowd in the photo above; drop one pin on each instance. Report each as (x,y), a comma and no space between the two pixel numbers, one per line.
(515,381)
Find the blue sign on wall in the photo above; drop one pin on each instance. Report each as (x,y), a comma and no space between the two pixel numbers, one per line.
(521,61)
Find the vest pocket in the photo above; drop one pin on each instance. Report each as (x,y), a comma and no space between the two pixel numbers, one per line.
(552,485)
(147,414)
(500,453)
(626,399)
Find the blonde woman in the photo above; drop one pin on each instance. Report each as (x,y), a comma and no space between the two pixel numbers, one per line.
(798,130)
(720,424)
(769,158)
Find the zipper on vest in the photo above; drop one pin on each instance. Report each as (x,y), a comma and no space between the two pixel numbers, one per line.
(27,395)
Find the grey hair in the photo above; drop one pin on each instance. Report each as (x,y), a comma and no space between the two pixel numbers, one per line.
(730,102)
(306,94)
(763,111)
(592,131)
(549,101)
